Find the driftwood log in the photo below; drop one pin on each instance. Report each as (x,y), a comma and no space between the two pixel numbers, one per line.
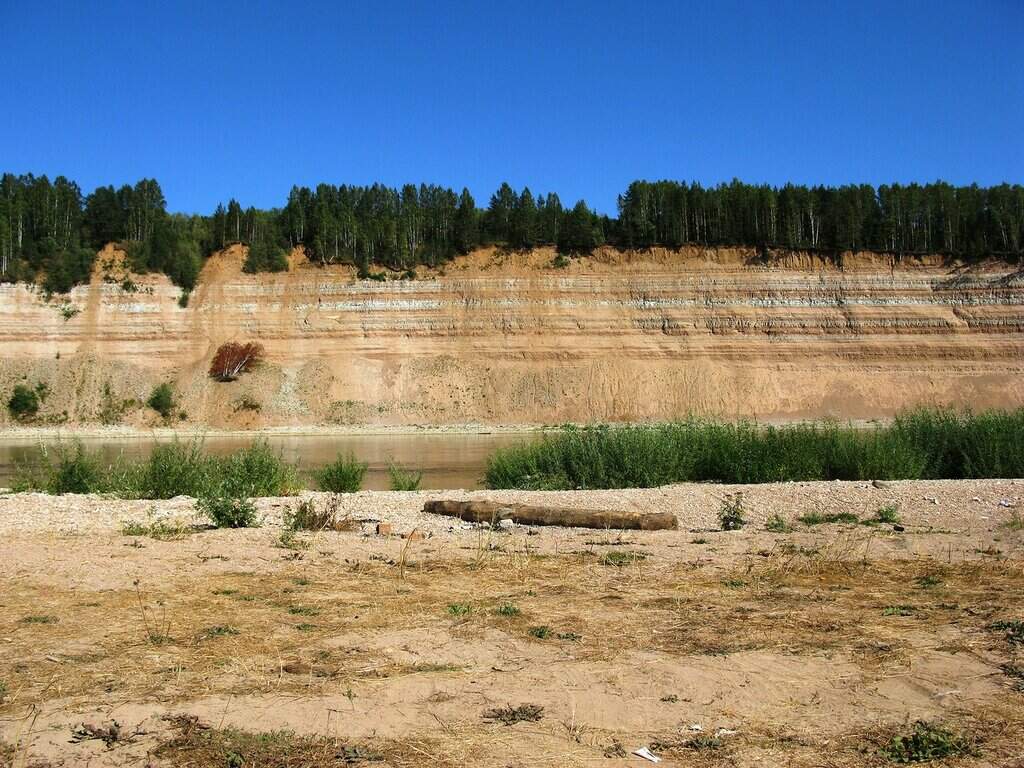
(527,514)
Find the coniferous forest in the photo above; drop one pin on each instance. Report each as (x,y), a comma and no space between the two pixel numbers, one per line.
(50,230)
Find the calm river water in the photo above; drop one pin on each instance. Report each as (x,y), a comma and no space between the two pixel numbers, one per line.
(446,460)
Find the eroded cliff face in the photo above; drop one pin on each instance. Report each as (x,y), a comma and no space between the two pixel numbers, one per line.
(509,338)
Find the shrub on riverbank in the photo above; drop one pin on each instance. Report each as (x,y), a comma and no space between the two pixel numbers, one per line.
(403,479)
(63,470)
(343,475)
(921,444)
(172,469)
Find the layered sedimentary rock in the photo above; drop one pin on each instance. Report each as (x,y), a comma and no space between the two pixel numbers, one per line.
(511,338)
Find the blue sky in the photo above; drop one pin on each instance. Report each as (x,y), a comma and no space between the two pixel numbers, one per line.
(245,99)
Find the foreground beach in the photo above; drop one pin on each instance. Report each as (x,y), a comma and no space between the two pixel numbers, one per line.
(414,639)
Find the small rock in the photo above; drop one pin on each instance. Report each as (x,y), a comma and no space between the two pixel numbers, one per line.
(898,528)
(384,529)
(416,535)
(881,484)
(506,524)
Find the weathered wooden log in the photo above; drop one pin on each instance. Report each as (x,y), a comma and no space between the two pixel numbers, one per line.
(527,514)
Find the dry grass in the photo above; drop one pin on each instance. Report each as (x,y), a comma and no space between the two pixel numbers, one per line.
(302,628)
(195,743)
(784,602)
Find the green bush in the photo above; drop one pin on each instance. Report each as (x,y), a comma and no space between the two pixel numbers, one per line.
(732,516)
(77,471)
(404,479)
(64,469)
(343,475)
(24,402)
(257,470)
(925,443)
(171,469)
(228,510)
(161,399)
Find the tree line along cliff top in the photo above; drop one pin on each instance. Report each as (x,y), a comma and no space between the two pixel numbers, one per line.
(50,231)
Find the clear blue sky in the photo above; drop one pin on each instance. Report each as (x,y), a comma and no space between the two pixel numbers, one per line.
(220,99)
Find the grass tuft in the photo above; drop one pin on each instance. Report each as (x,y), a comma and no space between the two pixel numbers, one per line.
(621,557)
(507,609)
(1013,630)
(509,715)
(39,619)
(404,479)
(310,516)
(343,475)
(816,518)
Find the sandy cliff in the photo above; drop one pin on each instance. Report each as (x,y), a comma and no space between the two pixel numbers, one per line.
(508,338)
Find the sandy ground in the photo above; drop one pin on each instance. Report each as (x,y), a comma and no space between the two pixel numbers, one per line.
(810,646)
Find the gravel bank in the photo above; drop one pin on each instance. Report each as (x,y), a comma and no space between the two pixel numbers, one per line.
(955,504)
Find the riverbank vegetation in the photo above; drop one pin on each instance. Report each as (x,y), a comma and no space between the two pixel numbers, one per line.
(920,444)
(50,230)
(172,469)
(926,443)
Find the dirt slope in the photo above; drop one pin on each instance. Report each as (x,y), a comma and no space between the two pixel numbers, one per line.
(508,338)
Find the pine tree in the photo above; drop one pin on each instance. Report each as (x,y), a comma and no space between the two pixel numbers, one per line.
(467,231)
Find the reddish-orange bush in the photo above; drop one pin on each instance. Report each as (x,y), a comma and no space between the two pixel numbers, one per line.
(234,359)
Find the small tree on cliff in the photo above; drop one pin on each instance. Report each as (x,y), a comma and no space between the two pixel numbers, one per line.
(161,399)
(24,402)
(234,359)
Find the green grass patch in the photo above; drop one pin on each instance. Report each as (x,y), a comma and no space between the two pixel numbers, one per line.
(218,630)
(898,610)
(162,530)
(816,518)
(928,581)
(925,443)
(507,609)
(924,743)
(889,515)
(1013,630)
